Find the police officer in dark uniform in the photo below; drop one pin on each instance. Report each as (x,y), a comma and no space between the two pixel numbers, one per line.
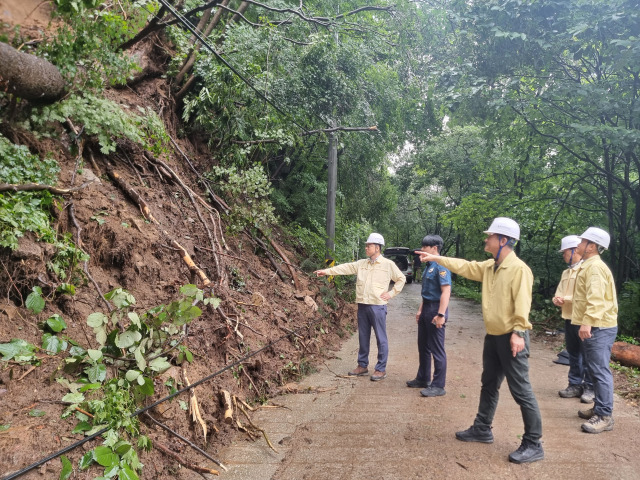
(431,318)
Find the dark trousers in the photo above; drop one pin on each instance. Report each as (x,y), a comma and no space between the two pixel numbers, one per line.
(373,316)
(578,371)
(497,363)
(597,354)
(431,345)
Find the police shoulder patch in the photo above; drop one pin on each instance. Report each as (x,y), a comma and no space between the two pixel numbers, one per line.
(443,273)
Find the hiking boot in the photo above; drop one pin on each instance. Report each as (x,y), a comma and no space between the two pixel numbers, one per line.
(572,391)
(432,391)
(598,424)
(588,395)
(358,371)
(586,414)
(377,376)
(476,434)
(415,383)
(527,452)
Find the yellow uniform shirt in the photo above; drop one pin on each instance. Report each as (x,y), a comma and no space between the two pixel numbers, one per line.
(506,292)
(594,299)
(373,278)
(565,289)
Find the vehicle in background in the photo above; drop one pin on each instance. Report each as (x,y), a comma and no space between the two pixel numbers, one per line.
(403,258)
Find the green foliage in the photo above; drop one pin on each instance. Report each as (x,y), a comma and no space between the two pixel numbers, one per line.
(35,302)
(19,351)
(250,190)
(629,309)
(67,468)
(23,212)
(85,47)
(18,165)
(464,288)
(106,120)
(136,346)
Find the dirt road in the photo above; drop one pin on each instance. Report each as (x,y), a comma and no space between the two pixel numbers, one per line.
(384,430)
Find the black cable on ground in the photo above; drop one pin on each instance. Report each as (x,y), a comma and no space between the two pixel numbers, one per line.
(148,407)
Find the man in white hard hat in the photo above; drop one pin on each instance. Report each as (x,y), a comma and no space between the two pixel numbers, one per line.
(580,385)
(373,277)
(595,310)
(507,284)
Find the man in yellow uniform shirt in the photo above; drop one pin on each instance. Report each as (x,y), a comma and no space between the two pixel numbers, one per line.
(580,384)
(373,277)
(507,284)
(595,310)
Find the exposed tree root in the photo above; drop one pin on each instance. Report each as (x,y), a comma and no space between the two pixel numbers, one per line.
(258,429)
(183,462)
(277,248)
(191,444)
(85,267)
(144,208)
(36,187)
(194,408)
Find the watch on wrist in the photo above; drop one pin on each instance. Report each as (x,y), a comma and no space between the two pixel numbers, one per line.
(520,333)
(439,314)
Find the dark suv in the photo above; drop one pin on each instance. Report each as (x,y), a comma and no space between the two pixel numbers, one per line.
(403,258)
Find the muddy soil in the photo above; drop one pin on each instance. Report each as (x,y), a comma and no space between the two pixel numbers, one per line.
(354,428)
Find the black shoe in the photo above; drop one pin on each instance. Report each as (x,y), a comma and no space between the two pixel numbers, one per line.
(432,391)
(572,391)
(415,383)
(476,434)
(527,452)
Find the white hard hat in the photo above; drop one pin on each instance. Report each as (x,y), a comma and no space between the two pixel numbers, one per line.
(570,241)
(504,226)
(375,238)
(597,236)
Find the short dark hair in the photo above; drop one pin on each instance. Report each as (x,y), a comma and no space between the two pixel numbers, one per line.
(433,241)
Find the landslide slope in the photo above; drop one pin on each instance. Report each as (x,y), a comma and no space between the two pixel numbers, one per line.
(132,213)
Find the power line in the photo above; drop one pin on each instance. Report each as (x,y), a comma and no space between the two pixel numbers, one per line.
(184,21)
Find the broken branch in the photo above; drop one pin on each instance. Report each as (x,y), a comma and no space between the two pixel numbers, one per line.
(37,187)
(228,407)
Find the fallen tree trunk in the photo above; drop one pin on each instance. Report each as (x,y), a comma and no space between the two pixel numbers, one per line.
(626,354)
(29,77)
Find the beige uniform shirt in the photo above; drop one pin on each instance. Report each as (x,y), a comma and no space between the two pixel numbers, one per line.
(565,289)
(594,299)
(373,278)
(506,292)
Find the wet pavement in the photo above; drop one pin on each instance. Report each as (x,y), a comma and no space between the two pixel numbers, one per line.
(357,429)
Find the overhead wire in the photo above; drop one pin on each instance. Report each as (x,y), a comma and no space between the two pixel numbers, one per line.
(187,24)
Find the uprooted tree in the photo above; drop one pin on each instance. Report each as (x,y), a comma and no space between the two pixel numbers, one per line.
(28,76)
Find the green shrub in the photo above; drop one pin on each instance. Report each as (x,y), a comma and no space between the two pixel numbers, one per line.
(629,309)
(250,190)
(106,120)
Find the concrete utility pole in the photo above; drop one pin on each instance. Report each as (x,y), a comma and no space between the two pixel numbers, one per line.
(332,181)
(332,185)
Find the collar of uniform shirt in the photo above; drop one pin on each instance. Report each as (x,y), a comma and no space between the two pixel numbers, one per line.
(374,260)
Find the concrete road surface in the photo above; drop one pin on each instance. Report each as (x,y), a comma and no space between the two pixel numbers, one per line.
(360,429)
